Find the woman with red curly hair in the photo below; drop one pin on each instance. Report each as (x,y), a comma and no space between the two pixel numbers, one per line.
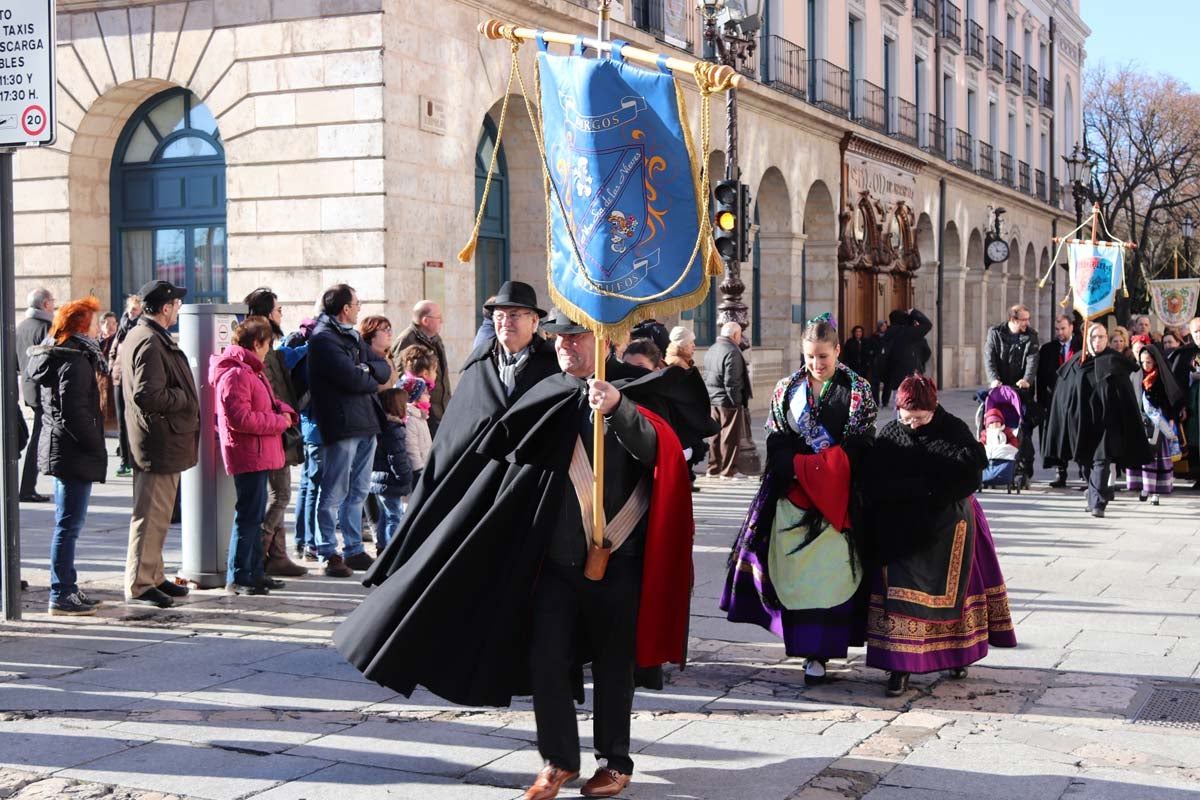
(937,594)
(71,448)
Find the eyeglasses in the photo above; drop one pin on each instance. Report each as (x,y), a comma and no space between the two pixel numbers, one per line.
(515,316)
(1024,319)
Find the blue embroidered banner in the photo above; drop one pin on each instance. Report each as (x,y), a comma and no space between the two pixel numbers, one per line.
(1097,274)
(624,205)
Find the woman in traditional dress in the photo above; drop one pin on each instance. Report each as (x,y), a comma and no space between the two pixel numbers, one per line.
(937,595)
(796,567)
(1160,399)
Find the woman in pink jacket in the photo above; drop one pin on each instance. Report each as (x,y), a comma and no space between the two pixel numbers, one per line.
(251,422)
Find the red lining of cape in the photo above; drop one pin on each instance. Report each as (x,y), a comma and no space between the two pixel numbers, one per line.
(667,571)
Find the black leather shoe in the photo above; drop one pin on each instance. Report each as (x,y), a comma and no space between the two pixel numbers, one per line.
(1060,482)
(151,597)
(34,497)
(237,588)
(271,583)
(897,683)
(173,589)
(1098,511)
(958,673)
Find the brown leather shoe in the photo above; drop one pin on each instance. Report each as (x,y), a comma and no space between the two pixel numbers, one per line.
(548,782)
(606,783)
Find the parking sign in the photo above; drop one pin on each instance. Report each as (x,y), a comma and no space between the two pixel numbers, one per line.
(27,73)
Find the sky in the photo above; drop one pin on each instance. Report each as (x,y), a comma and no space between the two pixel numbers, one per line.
(1159,35)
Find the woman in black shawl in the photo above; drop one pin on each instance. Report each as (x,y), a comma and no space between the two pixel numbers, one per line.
(1094,418)
(1159,399)
(937,594)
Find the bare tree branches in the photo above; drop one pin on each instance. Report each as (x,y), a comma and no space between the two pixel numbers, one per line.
(1145,133)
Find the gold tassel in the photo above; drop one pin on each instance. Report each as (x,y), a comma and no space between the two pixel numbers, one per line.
(468,253)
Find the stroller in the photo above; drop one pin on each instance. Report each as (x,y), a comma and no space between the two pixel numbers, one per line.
(1010,473)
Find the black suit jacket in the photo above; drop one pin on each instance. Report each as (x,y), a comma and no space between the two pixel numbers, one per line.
(1049,361)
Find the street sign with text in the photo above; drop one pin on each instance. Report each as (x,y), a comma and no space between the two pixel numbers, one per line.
(27,73)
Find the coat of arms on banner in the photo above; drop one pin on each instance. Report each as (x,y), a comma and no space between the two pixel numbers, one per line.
(1097,274)
(1174,301)
(627,229)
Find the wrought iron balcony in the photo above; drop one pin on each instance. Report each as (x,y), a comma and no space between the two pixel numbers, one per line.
(1039,185)
(1047,94)
(1023,177)
(787,67)
(870,105)
(935,135)
(996,57)
(925,11)
(1014,69)
(1032,84)
(964,149)
(986,165)
(975,40)
(903,122)
(951,23)
(1006,169)
(828,86)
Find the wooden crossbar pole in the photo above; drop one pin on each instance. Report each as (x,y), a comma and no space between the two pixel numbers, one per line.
(495,29)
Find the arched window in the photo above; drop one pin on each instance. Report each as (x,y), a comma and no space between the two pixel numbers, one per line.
(491,252)
(168,200)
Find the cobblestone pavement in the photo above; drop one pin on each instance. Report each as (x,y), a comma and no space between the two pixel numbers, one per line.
(243,697)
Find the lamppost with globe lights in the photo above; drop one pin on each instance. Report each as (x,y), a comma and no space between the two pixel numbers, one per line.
(1080,165)
(730,38)
(1188,229)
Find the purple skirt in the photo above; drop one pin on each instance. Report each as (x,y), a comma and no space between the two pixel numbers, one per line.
(749,596)
(1157,477)
(907,644)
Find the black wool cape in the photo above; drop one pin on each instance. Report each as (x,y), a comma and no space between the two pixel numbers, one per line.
(1094,415)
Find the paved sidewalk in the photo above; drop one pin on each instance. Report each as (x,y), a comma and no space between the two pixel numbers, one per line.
(243,697)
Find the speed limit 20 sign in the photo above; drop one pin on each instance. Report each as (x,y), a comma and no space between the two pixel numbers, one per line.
(26,73)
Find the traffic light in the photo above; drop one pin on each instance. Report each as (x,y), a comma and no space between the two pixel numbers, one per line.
(743,234)
(727,224)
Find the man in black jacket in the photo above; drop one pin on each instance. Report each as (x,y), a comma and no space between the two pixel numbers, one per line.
(345,378)
(1051,357)
(426,330)
(1010,358)
(904,348)
(31,332)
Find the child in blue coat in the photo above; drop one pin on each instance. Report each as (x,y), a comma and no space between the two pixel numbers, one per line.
(391,474)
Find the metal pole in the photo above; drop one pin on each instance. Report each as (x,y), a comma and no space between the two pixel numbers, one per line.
(605,15)
(10,516)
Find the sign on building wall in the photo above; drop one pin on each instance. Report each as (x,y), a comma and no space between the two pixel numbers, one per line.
(26,73)
(884,181)
(675,22)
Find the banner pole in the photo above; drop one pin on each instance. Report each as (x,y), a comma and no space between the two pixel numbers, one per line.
(721,75)
(598,520)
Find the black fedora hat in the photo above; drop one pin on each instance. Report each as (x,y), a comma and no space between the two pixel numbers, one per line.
(515,294)
(559,322)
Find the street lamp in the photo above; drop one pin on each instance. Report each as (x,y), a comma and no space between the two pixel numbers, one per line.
(730,38)
(1079,173)
(1188,228)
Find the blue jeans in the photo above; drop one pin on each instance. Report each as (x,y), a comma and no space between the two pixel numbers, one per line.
(246,545)
(70,512)
(391,514)
(306,498)
(344,485)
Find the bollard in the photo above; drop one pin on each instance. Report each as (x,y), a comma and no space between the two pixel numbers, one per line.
(208,493)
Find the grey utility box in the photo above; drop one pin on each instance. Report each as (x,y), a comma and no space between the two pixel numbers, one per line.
(208,493)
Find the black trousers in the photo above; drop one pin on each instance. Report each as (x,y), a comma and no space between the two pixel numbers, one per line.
(569,611)
(29,472)
(1099,492)
(123,448)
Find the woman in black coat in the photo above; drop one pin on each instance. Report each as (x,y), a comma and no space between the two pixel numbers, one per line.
(1094,418)
(72,447)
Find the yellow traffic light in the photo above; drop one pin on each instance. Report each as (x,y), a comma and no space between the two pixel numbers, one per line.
(726,220)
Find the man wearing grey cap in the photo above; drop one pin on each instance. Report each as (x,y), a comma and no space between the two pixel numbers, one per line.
(162,413)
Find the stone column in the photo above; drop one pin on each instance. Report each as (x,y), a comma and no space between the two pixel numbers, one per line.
(780,258)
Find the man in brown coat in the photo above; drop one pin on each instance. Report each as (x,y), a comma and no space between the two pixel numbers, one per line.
(162,413)
(426,329)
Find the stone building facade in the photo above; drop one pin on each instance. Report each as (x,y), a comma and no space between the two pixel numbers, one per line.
(233,144)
